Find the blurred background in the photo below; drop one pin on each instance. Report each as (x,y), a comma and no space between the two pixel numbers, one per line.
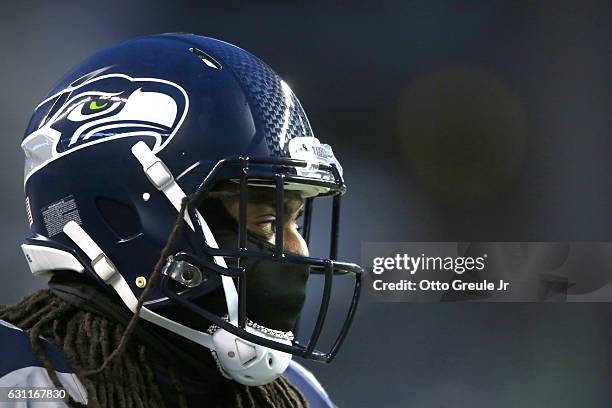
(453,120)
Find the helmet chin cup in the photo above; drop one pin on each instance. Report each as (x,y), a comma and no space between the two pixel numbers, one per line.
(248,363)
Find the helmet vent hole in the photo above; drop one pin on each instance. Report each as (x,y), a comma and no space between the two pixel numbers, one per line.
(270,362)
(122,219)
(207,59)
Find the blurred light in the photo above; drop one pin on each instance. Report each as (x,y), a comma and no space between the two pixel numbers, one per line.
(463,132)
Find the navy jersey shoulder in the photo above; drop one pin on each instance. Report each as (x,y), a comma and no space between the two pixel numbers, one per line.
(16,352)
(19,366)
(306,382)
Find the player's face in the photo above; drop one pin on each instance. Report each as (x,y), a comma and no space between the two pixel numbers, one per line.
(261,216)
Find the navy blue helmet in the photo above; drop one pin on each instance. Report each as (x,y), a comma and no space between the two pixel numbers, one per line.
(138,130)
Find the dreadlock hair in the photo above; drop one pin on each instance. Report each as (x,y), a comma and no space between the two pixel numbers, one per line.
(87,341)
(115,369)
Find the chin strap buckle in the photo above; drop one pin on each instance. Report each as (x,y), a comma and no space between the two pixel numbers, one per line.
(100,263)
(104,267)
(159,175)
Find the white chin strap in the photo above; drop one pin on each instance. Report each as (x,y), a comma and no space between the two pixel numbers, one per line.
(238,359)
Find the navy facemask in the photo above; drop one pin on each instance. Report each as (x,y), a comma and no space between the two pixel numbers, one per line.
(275,290)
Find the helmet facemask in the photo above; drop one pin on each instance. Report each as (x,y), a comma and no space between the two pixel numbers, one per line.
(252,256)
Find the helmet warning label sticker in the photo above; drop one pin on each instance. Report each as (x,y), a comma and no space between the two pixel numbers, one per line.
(59,213)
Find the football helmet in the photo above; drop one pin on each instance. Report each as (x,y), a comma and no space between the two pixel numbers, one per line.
(138,129)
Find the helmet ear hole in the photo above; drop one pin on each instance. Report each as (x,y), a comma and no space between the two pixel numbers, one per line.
(121,218)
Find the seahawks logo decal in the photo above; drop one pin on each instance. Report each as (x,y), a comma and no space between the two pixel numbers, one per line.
(105,108)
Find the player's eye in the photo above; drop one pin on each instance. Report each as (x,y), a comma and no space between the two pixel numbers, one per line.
(267,226)
(299,226)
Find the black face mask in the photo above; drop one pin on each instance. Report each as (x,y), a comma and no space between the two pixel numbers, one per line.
(275,290)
